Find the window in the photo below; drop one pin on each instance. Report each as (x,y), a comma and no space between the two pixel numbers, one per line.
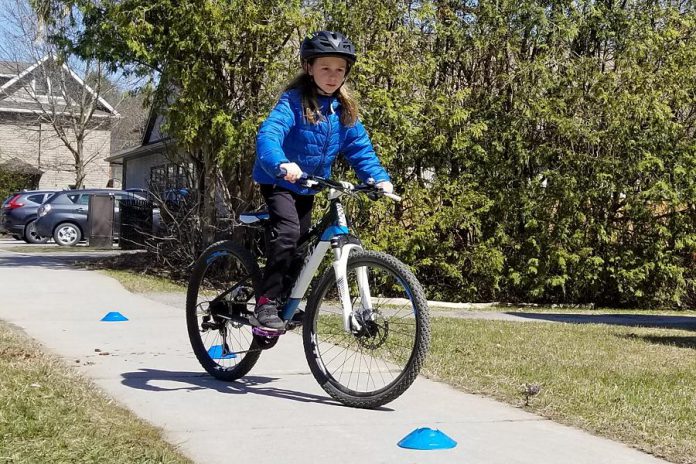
(36,198)
(40,87)
(158,178)
(170,176)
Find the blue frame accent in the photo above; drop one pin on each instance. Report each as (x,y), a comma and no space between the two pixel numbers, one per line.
(290,308)
(332,231)
(408,292)
(215,256)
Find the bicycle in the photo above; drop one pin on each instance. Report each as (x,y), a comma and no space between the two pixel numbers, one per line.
(365,329)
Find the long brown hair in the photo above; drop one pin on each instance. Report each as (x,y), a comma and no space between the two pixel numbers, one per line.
(310,100)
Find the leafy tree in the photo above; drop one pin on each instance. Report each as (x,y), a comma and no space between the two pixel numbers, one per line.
(545,147)
(12,181)
(551,140)
(218,66)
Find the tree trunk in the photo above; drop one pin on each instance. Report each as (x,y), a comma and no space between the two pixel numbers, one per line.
(79,165)
(209,215)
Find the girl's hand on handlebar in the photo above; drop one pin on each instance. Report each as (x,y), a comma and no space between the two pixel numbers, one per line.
(292,172)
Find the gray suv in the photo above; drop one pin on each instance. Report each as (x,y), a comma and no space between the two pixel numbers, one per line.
(19,213)
(65,215)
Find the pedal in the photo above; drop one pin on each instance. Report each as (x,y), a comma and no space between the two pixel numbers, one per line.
(266,332)
(258,329)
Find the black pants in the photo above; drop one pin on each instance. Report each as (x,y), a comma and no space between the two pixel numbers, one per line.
(290,216)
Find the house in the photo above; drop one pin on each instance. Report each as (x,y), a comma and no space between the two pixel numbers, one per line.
(34,99)
(157,164)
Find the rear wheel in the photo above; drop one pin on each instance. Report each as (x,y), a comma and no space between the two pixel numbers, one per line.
(221,295)
(67,234)
(30,235)
(381,354)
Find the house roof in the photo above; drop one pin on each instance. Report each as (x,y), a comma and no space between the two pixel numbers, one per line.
(22,71)
(161,146)
(154,140)
(12,68)
(36,108)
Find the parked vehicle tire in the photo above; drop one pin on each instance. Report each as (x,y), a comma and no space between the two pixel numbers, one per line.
(30,235)
(67,234)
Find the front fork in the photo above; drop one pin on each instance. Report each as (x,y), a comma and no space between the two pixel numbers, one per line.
(351,323)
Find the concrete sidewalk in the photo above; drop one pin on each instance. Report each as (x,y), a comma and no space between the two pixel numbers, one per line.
(276,414)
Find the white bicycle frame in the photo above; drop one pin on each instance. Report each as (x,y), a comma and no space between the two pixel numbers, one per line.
(340,265)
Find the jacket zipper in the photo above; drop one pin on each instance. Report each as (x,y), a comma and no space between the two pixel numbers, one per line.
(326,142)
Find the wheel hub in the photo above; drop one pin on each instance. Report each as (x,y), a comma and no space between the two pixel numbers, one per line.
(373,331)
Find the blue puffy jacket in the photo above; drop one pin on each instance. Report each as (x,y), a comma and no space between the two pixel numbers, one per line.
(285,136)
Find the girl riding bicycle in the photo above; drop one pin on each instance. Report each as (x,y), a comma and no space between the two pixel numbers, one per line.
(315,119)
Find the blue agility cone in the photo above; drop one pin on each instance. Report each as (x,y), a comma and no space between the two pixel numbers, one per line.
(114,316)
(215,352)
(427,439)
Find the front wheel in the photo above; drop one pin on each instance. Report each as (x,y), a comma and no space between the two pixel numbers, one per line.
(381,354)
(67,234)
(221,294)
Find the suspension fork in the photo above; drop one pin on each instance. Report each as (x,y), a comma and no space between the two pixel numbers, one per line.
(341,253)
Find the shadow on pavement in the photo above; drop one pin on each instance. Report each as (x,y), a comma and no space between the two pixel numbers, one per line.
(631,320)
(679,342)
(144,379)
(50,262)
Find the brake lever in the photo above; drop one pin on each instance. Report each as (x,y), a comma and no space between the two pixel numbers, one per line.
(374,193)
(309,183)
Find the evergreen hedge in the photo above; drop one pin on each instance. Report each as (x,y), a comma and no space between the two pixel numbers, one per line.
(545,149)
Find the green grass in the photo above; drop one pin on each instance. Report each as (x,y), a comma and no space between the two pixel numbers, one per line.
(50,414)
(436,310)
(142,283)
(635,385)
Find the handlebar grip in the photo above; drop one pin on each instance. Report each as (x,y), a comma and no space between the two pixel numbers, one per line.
(282,172)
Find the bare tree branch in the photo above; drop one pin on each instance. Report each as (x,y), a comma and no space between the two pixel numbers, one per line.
(62,93)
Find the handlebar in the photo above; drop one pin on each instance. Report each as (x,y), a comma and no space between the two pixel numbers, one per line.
(312,181)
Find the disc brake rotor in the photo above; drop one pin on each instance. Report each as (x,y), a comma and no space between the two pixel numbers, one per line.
(373,332)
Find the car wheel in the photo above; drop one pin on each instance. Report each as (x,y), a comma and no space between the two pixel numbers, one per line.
(67,234)
(30,235)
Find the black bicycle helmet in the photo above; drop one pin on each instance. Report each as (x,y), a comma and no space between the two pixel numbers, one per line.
(327,43)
